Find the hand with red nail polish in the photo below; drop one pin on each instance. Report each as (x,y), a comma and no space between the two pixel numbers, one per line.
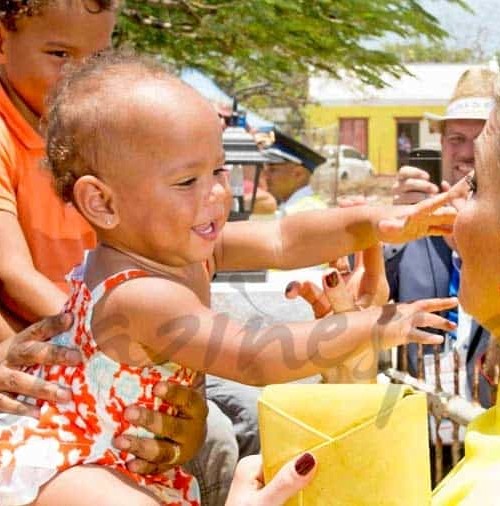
(248,487)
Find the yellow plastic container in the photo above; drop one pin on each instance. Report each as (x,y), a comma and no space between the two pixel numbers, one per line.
(370,442)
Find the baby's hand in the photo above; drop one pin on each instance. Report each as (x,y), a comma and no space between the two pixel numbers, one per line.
(429,217)
(404,323)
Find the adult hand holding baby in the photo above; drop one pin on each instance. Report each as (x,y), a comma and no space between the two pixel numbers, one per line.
(179,437)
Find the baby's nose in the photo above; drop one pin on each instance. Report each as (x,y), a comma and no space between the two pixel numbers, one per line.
(218,192)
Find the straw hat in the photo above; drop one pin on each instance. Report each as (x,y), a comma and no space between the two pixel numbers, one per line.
(472,98)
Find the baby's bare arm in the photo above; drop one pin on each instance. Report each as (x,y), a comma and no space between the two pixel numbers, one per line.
(316,237)
(171,323)
(304,239)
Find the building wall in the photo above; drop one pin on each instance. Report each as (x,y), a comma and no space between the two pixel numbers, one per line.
(382,125)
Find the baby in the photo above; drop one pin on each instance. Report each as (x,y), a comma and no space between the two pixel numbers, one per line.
(140,155)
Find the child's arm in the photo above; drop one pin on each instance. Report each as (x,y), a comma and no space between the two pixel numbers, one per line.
(315,237)
(9,324)
(171,323)
(33,293)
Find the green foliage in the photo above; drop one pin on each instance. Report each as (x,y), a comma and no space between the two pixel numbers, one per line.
(242,42)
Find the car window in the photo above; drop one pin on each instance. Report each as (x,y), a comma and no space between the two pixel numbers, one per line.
(352,153)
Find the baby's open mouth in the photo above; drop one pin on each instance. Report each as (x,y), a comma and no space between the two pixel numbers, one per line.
(206,230)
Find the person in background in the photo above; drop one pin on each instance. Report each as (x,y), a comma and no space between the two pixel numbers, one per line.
(430,267)
(289,182)
(265,203)
(404,148)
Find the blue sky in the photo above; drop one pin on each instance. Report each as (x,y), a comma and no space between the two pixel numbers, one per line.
(465,29)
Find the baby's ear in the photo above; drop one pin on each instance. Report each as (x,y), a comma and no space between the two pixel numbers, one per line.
(96,201)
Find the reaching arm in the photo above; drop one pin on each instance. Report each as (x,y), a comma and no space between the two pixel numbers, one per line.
(316,237)
(33,293)
(168,320)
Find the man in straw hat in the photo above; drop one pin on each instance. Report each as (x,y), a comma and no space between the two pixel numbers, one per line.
(430,267)
(463,120)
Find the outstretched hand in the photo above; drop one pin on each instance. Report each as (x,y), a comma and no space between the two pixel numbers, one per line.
(344,290)
(432,216)
(365,286)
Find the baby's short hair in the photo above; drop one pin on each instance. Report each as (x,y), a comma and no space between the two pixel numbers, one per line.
(83,110)
(13,10)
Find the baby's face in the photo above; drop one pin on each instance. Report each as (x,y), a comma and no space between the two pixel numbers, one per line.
(172,190)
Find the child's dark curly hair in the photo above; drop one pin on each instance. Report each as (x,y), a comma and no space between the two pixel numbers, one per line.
(12,10)
(85,114)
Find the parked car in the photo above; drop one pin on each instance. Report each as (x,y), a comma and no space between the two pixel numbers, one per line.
(353,166)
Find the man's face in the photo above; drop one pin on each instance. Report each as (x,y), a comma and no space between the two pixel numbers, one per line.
(457,144)
(283,179)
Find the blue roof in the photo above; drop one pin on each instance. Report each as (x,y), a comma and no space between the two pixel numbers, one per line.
(207,87)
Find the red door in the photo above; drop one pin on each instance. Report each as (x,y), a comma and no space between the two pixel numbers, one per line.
(354,132)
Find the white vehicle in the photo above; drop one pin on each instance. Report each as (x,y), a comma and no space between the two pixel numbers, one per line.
(353,166)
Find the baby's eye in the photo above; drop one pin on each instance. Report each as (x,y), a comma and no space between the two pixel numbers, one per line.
(187,182)
(472,182)
(59,53)
(220,170)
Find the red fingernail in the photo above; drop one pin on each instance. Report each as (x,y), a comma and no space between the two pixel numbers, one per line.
(332,279)
(290,287)
(304,464)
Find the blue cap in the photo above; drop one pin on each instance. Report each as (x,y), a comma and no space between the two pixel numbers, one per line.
(294,151)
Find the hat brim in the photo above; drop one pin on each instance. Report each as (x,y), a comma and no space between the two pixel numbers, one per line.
(283,155)
(473,108)
(438,119)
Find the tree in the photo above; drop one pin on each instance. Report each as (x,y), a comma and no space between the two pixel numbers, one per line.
(242,42)
(437,51)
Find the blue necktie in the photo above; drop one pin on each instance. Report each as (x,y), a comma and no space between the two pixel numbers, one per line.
(453,292)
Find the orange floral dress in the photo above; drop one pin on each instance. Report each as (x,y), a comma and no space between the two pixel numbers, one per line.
(80,432)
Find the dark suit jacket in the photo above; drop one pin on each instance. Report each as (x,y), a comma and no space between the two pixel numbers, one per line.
(421,270)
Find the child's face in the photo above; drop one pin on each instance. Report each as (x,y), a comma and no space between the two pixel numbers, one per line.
(172,191)
(34,54)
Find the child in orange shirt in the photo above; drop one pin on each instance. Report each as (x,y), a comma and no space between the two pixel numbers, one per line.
(140,154)
(41,238)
